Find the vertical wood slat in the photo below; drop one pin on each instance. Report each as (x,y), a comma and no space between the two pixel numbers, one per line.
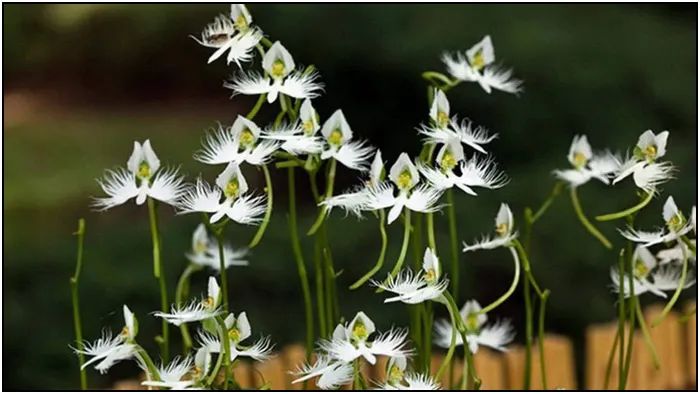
(599,341)
(691,344)
(490,367)
(559,362)
(667,338)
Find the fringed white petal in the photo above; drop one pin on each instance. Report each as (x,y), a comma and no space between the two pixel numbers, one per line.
(497,335)
(200,198)
(472,136)
(247,209)
(487,242)
(218,147)
(424,199)
(391,344)
(482,173)
(194,311)
(354,155)
(119,185)
(500,78)
(249,84)
(242,46)
(458,66)
(302,86)
(260,351)
(262,153)
(667,278)
(167,186)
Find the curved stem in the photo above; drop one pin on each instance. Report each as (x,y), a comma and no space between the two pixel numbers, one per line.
(453,341)
(382,253)
(158,273)
(630,336)
(677,293)
(621,314)
(527,268)
(611,356)
(150,365)
(586,223)
(226,344)
(431,232)
(222,269)
(431,76)
(75,298)
(516,277)
(629,211)
(330,179)
(647,336)
(299,259)
(268,210)
(182,284)
(527,371)
(540,337)
(256,107)
(454,243)
(545,205)
(404,245)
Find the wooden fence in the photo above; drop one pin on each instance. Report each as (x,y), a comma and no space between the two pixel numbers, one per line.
(675,341)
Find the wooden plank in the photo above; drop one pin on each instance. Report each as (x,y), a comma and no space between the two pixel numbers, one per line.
(380,369)
(559,364)
(515,367)
(642,375)
(435,363)
(490,367)
(242,372)
(668,340)
(293,356)
(691,346)
(599,341)
(271,372)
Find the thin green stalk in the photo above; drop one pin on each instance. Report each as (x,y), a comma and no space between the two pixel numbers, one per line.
(75,298)
(160,275)
(256,107)
(447,361)
(215,371)
(382,253)
(427,337)
(516,277)
(150,365)
(627,212)
(299,259)
(182,284)
(633,300)
(431,231)
(647,336)
(676,294)
(527,267)
(586,223)
(417,239)
(404,245)
(330,282)
(454,244)
(540,337)
(472,381)
(621,314)
(527,371)
(608,368)
(320,299)
(222,268)
(226,344)
(330,179)
(268,210)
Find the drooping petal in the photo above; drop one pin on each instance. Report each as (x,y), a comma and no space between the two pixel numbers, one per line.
(167,186)
(200,198)
(247,209)
(249,84)
(500,78)
(424,199)
(354,155)
(218,147)
(497,335)
(119,185)
(302,86)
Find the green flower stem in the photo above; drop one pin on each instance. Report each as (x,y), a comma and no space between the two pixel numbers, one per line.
(256,107)
(222,268)
(75,298)
(268,210)
(404,245)
(527,268)
(299,259)
(427,337)
(545,205)
(331,298)
(470,380)
(431,231)
(329,192)
(608,368)
(688,243)
(447,361)
(266,42)
(454,244)
(226,344)
(630,338)
(431,76)
(586,223)
(647,336)
(621,314)
(676,294)
(320,293)
(150,365)
(540,337)
(215,371)
(527,371)
(382,253)
(629,211)
(180,290)
(158,273)
(516,277)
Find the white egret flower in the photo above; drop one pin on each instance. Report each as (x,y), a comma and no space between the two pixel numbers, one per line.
(332,373)
(676,226)
(280,78)
(240,143)
(339,144)
(356,199)
(197,310)
(414,289)
(356,342)
(504,232)
(454,131)
(677,253)
(224,35)
(477,65)
(140,179)
(205,251)
(172,376)
(587,165)
(495,336)
(440,109)
(300,139)
(241,16)
(237,205)
(238,331)
(414,382)
(110,349)
(645,267)
(405,177)
(643,165)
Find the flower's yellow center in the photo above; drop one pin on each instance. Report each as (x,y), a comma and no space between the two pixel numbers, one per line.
(335,137)
(580,160)
(676,223)
(478,61)
(359,331)
(232,188)
(234,335)
(395,374)
(144,170)
(208,302)
(640,270)
(247,138)
(430,276)
(502,229)
(443,119)
(277,69)
(472,322)
(448,162)
(200,247)
(124,332)
(241,22)
(404,180)
(308,127)
(196,372)
(650,152)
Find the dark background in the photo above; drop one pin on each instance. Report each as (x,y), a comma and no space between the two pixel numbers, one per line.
(83,81)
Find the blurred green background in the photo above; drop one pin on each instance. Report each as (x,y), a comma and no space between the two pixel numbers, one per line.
(83,81)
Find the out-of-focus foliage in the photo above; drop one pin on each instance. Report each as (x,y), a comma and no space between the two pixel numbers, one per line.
(115,73)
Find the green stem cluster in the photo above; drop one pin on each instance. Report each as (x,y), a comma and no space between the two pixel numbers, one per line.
(75,298)
(164,339)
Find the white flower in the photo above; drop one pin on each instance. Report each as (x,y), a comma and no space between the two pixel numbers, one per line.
(464,132)
(677,253)
(197,310)
(238,331)
(356,199)
(472,173)
(241,16)
(504,232)
(643,165)
(223,35)
(171,375)
(238,205)
(239,143)
(587,165)
(333,373)
(140,179)
(356,343)
(440,109)
(205,251)
(495,336)
(676,226)
(477,65)
(281,77)
(405,177)
(339,144)
(410,289)
(414,382)
(301,138)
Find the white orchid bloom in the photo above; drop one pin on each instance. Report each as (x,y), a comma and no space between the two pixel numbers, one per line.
(224,35)
(172,376)
(140,179)
(504,232)
(332,373)
(676,226)
(356,343)
(411,194)
(339,143)
(237,205)
(238,331)
(677,253)
(587,165)
(197,310)
(477,65)
(205,251)
(414,382)
(241,16)
(643,165)
(440,109)
(464,132)
(495,336)
(110,349)
(300,139)
(356,199)
(240,143)
(280,78)
(414,289)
